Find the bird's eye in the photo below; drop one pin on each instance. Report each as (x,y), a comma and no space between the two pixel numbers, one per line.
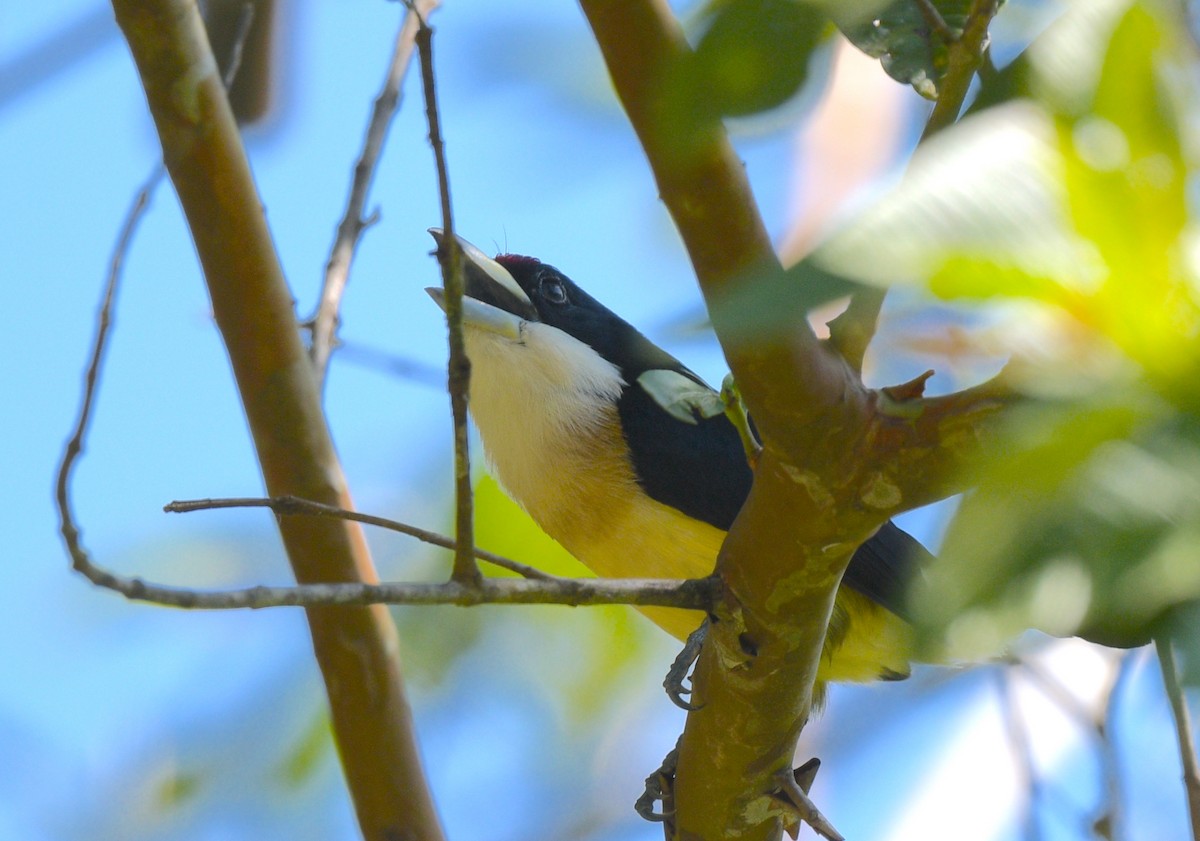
(553,291)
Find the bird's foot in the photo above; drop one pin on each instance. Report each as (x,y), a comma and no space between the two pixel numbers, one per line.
(660,787)
(680,669)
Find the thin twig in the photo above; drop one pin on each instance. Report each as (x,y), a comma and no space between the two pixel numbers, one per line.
(465,569)
(80,559)
(691,594)
(1183,730)
(284,505)
(1098,724)
(324,323)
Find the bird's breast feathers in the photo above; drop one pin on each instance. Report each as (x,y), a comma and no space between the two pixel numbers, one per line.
(555,444)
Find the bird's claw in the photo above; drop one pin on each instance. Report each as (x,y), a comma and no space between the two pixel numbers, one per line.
(678,673)
(660,787)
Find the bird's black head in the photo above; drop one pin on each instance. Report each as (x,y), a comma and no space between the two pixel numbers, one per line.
(553,299)
(561,303)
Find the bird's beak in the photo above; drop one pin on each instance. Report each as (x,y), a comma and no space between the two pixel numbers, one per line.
(493,300)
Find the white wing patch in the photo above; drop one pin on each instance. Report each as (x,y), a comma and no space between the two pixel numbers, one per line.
(681,396)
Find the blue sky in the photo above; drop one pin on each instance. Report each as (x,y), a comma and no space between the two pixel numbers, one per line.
(110,710)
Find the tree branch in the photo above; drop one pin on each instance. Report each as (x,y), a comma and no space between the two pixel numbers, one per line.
(754,679)
(783,559)
(924,448)
(851,333)
(355,646)
(324,322)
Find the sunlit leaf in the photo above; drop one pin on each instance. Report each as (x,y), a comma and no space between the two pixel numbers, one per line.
(1064,61)
(1125,180)
(769,304)
(988,190)
(980,278)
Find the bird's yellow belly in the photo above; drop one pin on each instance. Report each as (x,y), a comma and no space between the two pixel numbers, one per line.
(653,540)
(595,509)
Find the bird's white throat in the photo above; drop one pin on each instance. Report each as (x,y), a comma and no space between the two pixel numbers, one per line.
(541,405)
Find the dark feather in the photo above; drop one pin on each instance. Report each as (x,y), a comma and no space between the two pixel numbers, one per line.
(701,470)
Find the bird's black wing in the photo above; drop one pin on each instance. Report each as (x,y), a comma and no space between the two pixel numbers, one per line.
(884,566)
(696,466)
(700,468)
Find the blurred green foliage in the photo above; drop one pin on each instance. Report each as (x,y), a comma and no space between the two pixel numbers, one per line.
(1064,215)
(578,655)
(754,54)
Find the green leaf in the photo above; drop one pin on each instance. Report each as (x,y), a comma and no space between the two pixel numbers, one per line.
(1037,543)
(769,304)
(754,56)
(907,48)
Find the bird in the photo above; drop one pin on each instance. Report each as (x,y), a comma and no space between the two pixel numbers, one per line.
(624,456)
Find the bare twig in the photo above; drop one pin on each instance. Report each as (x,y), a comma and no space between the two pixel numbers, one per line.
(1098,724)
(465,569)
(544,589)
(1183,730)
(80,559)
(1111,822)
(284,505)
(355,647)
(692,594)
(324,323)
